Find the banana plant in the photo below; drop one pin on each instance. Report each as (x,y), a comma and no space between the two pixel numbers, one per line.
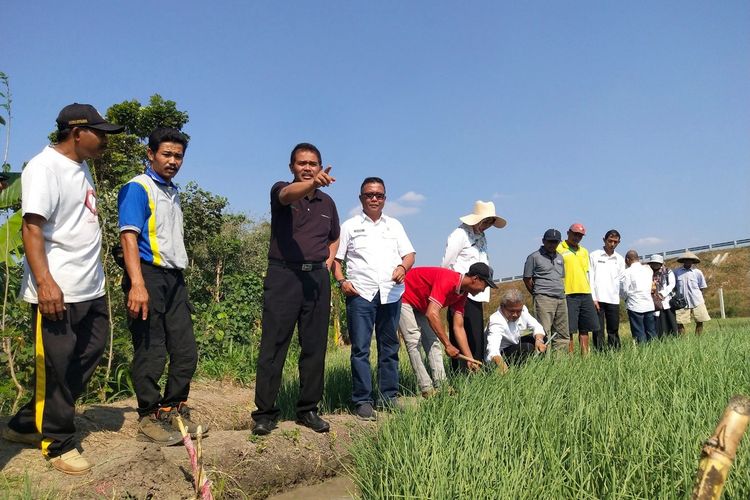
(10,232)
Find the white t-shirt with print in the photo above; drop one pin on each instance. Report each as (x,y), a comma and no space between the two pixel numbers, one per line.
(62,191)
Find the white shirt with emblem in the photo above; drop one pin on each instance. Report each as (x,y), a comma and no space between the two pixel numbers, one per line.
(62,191)
(605,273)
(372,250)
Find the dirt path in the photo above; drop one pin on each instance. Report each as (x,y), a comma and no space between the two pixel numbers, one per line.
(240,466)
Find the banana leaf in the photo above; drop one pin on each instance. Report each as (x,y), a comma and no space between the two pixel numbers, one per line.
(11,243)
(11,196)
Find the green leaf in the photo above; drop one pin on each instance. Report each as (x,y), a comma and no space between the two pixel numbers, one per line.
(10,237)
(11,196)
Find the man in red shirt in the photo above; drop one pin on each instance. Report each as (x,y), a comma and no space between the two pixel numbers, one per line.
(428,290)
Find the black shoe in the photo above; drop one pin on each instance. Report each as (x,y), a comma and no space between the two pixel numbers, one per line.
(313,421)
(263,427)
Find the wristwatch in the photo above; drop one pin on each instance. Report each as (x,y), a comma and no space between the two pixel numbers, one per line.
(340,282)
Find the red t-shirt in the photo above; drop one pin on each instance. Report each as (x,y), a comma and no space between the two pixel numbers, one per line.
(436,284)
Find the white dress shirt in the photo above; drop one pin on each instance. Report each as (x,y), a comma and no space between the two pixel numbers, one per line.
(605,273)
(372,250)
(464,248)
(502,333)
(636,288)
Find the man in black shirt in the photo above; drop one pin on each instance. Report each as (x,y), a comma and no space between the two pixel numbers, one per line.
(297,290)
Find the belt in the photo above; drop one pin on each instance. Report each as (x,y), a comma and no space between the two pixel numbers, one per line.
(297,266)
(160,268)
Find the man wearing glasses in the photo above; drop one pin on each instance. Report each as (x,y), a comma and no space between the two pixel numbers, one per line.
(64,282)
(378,255)
(297,290)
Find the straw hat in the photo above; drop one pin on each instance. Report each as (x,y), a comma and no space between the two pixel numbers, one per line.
(483,210)
(688,256)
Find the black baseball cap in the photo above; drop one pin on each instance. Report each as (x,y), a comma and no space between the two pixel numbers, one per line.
(552,235)
(483,272)
(85,115)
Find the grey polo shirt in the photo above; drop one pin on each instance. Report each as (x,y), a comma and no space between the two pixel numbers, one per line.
(547,271)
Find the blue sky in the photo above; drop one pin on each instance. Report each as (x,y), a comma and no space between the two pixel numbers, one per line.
(626,115)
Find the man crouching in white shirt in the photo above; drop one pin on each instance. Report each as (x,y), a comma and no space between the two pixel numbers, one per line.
(505,332)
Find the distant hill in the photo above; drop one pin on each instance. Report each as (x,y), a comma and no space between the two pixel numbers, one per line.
(729,269)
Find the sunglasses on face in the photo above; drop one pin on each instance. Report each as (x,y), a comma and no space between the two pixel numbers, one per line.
(377,196)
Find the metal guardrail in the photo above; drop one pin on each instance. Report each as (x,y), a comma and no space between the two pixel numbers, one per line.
(698,249)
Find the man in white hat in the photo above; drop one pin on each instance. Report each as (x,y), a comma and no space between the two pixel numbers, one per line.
(666,322)
(467,245)
(691,283)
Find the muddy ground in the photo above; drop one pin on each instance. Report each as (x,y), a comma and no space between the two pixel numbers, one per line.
(239,465)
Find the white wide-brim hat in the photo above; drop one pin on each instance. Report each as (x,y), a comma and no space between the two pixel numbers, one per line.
(656,259)
(483,210)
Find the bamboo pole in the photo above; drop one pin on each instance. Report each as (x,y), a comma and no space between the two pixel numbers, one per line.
(720,449)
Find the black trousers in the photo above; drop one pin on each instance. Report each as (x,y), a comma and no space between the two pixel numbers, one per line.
(518,353)
(66,352)
(609,314)
(167,331)
(292,297)
(474,326)
(667,323)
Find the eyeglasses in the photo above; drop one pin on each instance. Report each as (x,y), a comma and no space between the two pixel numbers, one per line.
(377,196)
(304,163)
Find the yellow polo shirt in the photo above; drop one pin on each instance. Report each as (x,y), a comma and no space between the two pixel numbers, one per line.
(576,264)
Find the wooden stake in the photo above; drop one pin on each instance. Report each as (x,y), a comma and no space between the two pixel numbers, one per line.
(469,360)
(719,450)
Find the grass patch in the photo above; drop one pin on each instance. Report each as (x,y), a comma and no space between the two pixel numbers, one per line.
(625,424)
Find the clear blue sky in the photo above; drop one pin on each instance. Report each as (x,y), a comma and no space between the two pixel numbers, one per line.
(627,115)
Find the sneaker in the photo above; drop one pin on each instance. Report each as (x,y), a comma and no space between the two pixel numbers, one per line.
(311,420)
(31,438)
(392,405)
(184,412)
(157,428)
(71,463)
(365,411)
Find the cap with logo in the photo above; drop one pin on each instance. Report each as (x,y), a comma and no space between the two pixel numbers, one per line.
(577,228)
(552,235)
(85,115)
(483,272)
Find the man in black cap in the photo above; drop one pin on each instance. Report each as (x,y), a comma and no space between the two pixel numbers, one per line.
(543,276)
(64,282)
(428,291)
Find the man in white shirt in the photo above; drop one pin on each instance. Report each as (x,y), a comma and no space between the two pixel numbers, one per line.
(505,332)
(605,272)
(636,287)
(378,254)
(64,282)
(691,283)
